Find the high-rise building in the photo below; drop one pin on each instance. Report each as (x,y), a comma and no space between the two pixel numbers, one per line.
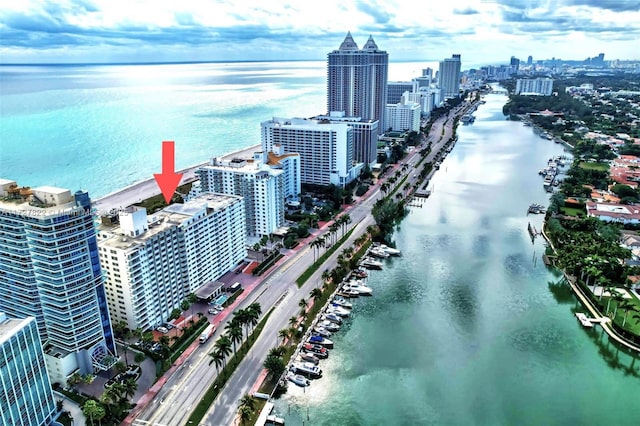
(395,89)
(514,63)
(26,398)
(365,135)
(50,270)
(529,60)
(403,116)
(534,86)
(325,148)
(357,80)
(261,187)
(153,262)
(449,76)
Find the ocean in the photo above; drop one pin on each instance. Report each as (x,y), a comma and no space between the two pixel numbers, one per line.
(100,127)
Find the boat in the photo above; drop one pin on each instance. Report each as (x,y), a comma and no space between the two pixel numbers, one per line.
(348,293)
(332,317)
(389,250)
(339,301)
(319,351)
(309,357)
(322,331)
(378,252)
(370,263)
(306,369)
(316,339)
(360,273)
(468,118)
(330,326)
(536,208)
(362,290)
(339,310)
(298,379)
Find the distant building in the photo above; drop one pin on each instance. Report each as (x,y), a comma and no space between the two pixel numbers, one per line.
(262,187)
(325,148)
(365,135)
(50,270)
(26,398)
(395,89)
(610,212)
(514,63)
(357,80)
(449,76)
(152,263)
(530,60)
(534,86)
(403,116)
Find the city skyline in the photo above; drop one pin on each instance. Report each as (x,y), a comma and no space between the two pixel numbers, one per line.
(75,31)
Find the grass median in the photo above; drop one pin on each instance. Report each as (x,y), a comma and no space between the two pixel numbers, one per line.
(318,263)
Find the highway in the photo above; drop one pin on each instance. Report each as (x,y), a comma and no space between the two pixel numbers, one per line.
(186,387)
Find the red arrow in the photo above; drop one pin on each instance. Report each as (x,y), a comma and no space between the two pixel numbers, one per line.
(169,180)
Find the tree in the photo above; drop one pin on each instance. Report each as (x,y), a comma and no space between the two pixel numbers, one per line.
(248,401)
(245,414)
(303,306)
(234,333)
(139,357)
(120,367)
(223,345)
(130,386)
(184,305)
(316,293)
(283,334)
(293,320)
(93,411)
(218,358)
(274,365)
(192,299)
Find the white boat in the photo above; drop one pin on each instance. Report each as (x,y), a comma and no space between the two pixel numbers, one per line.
(378,252)
(389,250)
(342,302)
(298,379)
(329,325)
(348,293)
(316,339)
(363,290)
(322,331)
(309,357)
(332,317)
(343,312)
(370,263)
(307,369)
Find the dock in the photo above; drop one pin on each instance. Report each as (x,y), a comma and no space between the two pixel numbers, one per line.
(422,193)
(588,322)
(532,231)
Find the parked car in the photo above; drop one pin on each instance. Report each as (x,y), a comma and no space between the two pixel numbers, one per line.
(162,329)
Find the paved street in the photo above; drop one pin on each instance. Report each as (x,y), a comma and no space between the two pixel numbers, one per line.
(177,398)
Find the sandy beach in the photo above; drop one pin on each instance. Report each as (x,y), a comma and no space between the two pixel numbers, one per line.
(137,192)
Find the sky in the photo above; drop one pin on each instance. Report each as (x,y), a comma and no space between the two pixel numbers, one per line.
(482,31)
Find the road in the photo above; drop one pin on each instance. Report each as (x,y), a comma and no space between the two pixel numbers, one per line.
(184,389)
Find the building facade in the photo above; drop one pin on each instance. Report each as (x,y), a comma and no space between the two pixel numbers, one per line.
(365,135)
(26,398)
(395,90)
(357,80)
(534,86)
(261,187)
(403,116)
(325,148)
(50,270)
(152,263)
(449,76)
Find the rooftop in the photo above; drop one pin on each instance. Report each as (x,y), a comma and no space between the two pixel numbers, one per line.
(10,326)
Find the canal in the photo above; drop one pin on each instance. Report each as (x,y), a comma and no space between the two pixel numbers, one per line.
(467,327)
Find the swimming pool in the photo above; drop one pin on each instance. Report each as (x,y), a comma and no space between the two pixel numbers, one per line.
(221,299)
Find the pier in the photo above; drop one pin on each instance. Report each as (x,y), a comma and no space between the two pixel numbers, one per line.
(588,322)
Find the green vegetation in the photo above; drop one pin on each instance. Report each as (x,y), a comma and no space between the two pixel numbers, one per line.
(156,203)
(267,263)
(318,263)
(572,211)
(226,373)
(601,167)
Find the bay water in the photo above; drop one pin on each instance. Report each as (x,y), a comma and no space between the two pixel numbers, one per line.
(464,328)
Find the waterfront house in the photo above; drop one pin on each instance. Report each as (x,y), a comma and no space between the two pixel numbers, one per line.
(610,212)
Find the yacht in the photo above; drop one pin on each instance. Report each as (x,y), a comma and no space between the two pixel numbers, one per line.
(322,331)
(329,326)
(378,252)
(306,369)
(348,293)
(389,250)
(370,263)
(316,339)
(360,273)
(332,317)
(319,351)
(298,379)
(339,301)
(362,290)
(309,357)
(342,312)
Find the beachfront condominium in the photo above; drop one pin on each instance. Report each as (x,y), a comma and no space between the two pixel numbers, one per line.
(357,80)
(325,148)
(403,116)
(50,270)
(26,398)
(395,90)
(261,187)
(449,76)
(365,135)
(534,86)
(153,262)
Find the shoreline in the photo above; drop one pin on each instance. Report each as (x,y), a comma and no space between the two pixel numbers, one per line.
(136,192)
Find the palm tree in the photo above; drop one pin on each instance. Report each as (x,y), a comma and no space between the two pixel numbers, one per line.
(284,334)
(234,333)
(303,306)
(293,320)
(253,314)
(316,293)
(223,345)
(192,299)
(130,386)
(245,414)
(241,316)
(278,351)
(274,365)
(325,276)
(628,306)
(218,358)
(248,401)
(314,245)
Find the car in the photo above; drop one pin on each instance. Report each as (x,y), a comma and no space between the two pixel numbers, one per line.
(213,311)
(167,325)
(162,329)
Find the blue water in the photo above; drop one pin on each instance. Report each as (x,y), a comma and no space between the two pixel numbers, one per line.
(100,127)
(221,299)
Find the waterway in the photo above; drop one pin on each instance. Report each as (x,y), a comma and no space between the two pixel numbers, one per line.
(465,328)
